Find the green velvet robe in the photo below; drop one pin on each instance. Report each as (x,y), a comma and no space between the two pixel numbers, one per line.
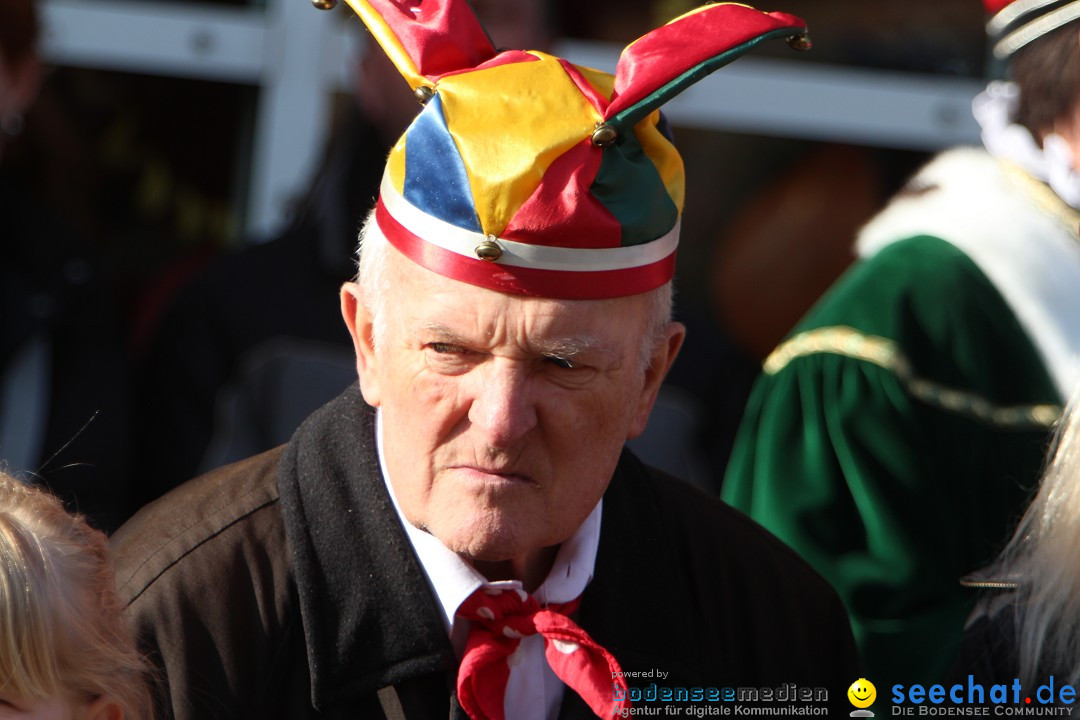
(894,438)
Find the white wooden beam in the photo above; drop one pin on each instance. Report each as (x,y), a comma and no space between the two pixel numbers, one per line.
(789,98)
(298,56)
(299,77)
(175,39)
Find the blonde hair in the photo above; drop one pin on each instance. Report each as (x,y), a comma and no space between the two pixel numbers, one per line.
(61,630)
(1042,557)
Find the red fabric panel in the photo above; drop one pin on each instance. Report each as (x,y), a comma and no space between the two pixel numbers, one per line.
(664,54)
(995,6)
(561,211)
(506,57)
(597,100)
(524,281)
(439,35)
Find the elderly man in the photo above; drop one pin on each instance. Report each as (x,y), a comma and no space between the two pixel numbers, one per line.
(463,533)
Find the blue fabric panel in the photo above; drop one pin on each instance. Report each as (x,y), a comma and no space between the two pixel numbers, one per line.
(435,177)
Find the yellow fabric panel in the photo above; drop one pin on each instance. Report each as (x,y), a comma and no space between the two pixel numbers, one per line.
(602,82)
(389,43)
(395,165)
(664,156)
(511,143)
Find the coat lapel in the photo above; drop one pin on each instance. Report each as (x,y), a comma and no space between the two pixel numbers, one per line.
(638,571)
(370,619)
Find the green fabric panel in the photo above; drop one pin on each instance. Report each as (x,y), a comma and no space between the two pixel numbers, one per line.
(952,323)
(632,115)
(629,186)
(891,499)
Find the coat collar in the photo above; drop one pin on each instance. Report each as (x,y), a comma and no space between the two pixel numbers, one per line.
(369,618)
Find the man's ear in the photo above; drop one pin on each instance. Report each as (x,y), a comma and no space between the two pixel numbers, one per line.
(103,708)
(361,324)
(664,354)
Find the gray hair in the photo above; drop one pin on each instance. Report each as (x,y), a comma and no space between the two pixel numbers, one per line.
(372,277)
(1042,556)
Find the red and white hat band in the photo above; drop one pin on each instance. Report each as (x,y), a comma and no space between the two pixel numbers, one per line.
(524,268)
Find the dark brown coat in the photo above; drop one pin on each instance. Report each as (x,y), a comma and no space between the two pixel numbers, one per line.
(285,587)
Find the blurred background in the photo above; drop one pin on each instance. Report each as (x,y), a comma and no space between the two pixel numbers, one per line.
(170,135)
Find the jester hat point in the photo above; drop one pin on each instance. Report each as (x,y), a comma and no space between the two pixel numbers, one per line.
(1015,23)
(527,174)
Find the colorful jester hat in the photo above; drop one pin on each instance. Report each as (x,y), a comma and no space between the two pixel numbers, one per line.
(527,174)
(1015,23)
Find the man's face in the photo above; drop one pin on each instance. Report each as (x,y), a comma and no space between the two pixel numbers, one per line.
(503,416)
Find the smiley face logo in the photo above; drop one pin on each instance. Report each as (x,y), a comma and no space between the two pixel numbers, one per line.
(862,693)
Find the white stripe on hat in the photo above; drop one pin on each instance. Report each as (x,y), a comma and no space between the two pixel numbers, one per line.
(1033,30)
(518,254)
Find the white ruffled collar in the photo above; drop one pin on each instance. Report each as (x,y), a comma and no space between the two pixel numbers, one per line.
(994,109)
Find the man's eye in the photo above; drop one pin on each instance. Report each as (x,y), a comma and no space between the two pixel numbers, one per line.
(561,362)
(446,348)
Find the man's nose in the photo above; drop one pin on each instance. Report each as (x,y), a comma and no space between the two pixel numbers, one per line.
(504,403)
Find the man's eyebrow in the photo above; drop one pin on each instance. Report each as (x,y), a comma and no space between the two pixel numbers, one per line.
(568,347)
(444,333)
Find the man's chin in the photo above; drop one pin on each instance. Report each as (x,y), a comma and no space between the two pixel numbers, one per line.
(486,547)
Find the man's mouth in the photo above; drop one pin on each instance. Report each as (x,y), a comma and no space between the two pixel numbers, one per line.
(494,473)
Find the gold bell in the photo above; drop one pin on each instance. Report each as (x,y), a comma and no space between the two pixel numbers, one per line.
(604,135)
(422,93)
(800,42)
(489,250)
(324,4)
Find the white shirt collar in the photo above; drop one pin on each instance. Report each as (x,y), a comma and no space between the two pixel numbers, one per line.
(454,580)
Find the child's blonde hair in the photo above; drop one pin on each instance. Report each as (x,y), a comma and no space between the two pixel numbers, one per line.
(61,630)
